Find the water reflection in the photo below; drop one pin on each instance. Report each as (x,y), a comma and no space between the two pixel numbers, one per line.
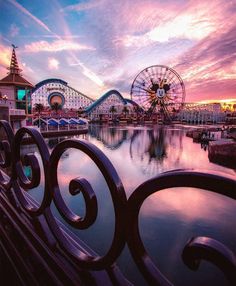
(52,142)
(167,219)
(150,148)
(176,215)
(112,137)
(154,149)
(157,147)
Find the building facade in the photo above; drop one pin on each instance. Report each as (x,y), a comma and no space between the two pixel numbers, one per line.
(15,93)
(194,113)
(51,91)
(18,99)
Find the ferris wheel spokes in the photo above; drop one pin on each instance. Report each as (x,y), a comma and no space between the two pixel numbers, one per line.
(157,89)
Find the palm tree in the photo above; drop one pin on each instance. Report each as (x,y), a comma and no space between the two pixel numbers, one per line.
(38,108)
(56,106)
(125,110)
(80,111)
(224,106)
(112,110)
(137,110)
(234,107)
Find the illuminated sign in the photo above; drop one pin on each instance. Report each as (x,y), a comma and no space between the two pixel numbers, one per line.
(56,88)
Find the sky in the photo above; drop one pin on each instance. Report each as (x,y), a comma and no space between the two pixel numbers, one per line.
(98,45)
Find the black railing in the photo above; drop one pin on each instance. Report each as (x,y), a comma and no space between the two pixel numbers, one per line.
(38,249)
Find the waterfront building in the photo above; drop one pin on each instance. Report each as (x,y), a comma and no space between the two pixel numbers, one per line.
(51,91)
(111,105)
(15,94)
(18,99)
(195,113)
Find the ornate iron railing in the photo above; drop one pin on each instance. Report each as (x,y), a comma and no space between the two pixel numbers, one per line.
(40,250)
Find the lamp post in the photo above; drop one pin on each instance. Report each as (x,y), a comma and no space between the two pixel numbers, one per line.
(3,98)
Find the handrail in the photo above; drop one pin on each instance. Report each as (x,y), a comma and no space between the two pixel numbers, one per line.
(52,245)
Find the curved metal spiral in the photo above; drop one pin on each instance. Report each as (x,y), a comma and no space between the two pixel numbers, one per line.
(80,184)
(21,181)
(172,179)
(76,186)
(199,248)
(126,213)
(6,148)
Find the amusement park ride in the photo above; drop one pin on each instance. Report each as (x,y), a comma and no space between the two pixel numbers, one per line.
(159,90)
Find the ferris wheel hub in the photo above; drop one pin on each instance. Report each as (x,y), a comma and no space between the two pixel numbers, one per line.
(160,93)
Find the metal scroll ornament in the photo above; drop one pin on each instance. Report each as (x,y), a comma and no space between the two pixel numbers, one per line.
(16,184)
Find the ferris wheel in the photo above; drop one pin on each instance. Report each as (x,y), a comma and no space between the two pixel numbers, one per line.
(158,89)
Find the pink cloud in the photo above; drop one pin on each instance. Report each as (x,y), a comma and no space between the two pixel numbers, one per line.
(189,22)
(208,69)
(207,66)
(53,64)
(5,56)
(194,37)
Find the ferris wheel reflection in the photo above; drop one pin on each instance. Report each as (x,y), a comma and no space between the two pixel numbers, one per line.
(111,137)
(151,149)
(156,150)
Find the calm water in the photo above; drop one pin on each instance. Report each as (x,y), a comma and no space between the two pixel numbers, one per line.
(167,219)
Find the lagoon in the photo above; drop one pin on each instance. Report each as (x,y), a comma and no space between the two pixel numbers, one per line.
(169,218)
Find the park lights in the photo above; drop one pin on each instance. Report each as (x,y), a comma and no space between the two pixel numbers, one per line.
(3,97)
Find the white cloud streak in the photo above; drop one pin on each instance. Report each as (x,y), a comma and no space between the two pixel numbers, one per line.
(89,74)
(82,6)
(26,12)
(56,46)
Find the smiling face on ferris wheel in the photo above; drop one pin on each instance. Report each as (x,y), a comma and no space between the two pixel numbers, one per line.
(160,92)
(161,88)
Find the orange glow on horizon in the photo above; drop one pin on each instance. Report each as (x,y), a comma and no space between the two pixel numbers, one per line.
(226,104)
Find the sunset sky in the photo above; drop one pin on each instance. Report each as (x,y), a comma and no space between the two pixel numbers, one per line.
(98,45)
